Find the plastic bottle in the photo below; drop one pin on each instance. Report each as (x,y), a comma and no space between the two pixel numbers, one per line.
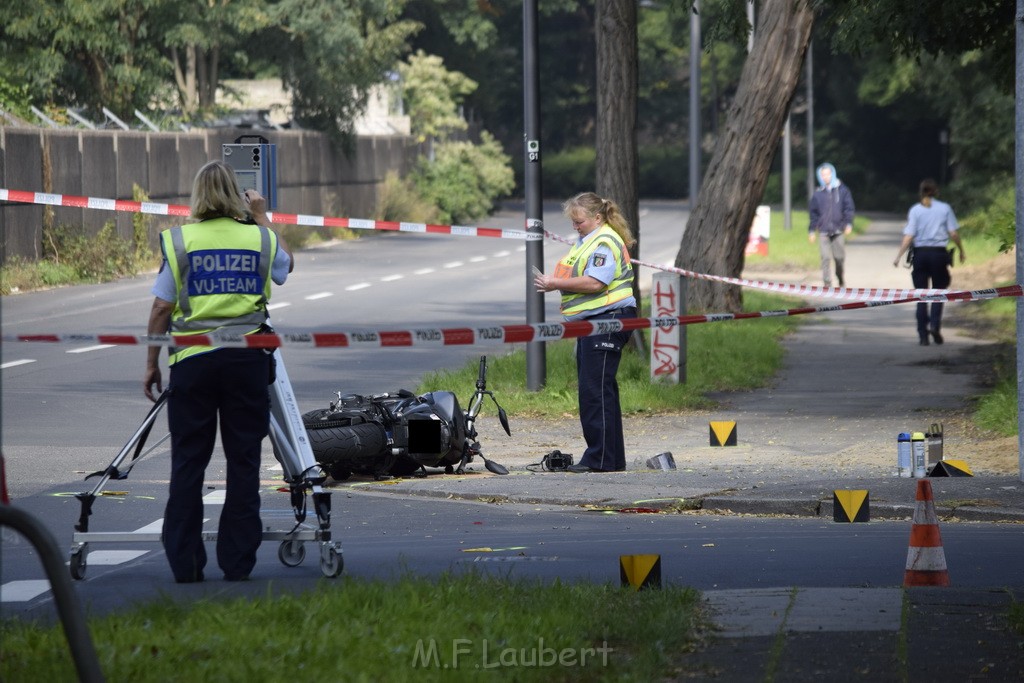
(903,464)
(918,454)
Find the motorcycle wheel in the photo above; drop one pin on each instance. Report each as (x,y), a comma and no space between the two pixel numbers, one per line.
(341,445)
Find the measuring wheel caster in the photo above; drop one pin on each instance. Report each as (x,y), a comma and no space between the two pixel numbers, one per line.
(78,564)
(331,562)
(291,553)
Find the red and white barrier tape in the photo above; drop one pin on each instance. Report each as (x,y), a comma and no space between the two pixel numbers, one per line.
(848,293)
(25,197)
(851,293)
(495,334)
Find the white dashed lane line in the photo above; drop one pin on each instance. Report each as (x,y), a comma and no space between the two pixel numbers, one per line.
(281,304)
(391,278)
(355,287)
(15,363)
(87,349)
(423,271)
(319,295)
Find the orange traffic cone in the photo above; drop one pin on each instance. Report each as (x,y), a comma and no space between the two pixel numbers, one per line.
(926,561)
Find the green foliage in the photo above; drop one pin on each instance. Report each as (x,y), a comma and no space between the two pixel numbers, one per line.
(332,52)
(569,171)
(14,97)
(398,200)
(359,630)
(997,410)
(433,95)
(95,258)
(464,179)
(84,53)
(997,220)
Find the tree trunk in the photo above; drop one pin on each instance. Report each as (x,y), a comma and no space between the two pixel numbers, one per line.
(717,232)
(618,169)
(185,78)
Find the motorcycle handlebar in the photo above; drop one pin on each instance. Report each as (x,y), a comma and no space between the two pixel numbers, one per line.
(481,378)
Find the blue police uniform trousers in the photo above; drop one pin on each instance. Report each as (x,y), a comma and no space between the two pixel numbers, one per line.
(230,384)
(597,362)
(931,265)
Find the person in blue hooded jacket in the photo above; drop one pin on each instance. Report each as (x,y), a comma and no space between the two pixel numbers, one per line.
(831,213)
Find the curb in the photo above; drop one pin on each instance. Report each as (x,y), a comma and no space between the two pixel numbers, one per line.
(724,505)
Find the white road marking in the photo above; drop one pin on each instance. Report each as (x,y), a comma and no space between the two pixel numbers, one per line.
(321,295)
(87,349)
(152,528)
(214,497)
(502,254)
(23,591)
(361,285)
(15,363)
(113,557)
(271,307)
(391,278)
(477,259)
(423,271)
(453,264)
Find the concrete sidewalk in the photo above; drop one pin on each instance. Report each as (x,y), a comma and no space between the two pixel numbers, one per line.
(851,382)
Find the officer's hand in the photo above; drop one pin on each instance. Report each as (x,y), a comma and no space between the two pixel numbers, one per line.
(257,204)
(152,377)
(811,237)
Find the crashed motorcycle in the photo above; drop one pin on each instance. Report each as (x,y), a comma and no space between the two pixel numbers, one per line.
(400,434)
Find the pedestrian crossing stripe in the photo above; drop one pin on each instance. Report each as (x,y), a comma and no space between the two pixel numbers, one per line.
(951,468)
(723,433)
(640,571)
(850,505)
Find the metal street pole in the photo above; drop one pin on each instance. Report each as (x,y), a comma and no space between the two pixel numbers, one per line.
(1019,172)
(536,360)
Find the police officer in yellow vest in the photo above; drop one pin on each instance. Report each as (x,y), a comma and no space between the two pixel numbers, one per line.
(596,282)
(215,276)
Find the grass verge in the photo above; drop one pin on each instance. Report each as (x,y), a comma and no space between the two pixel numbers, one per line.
(422,629)
(721,356)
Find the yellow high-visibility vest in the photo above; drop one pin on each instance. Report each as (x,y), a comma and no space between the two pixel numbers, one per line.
(575,262)
(221,272)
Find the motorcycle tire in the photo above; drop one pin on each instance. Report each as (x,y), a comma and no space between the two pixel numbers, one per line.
(326,417)
(343,445)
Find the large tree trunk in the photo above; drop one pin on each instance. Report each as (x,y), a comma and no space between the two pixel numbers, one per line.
(618,168)
(717,232)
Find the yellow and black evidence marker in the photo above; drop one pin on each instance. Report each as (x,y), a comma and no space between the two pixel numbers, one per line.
(640,571)
(723,433)
(850,506)
(951,468)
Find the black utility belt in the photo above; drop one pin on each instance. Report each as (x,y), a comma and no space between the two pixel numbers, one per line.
(929,249)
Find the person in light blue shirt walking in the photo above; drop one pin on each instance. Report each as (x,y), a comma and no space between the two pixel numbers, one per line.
(931,225)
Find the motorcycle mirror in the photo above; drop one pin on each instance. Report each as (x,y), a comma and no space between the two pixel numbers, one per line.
(503,419)
(494,467)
